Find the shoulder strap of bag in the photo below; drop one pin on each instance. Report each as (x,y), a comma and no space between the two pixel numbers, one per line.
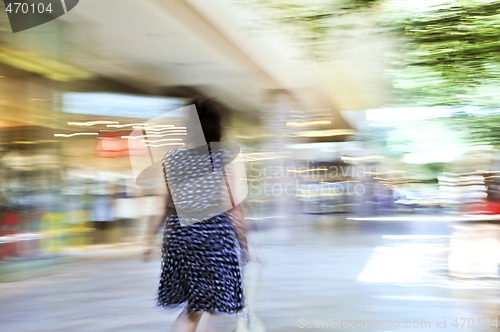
(227,183)
(224,174)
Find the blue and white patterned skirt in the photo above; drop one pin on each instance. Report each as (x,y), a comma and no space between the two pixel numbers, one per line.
(201,266)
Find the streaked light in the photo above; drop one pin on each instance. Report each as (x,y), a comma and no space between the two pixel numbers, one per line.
(326,133)
(42,65)
(163,144)
(140,125)
(25,142)
(160,130)
(485,171)
(154,135)
(154,127)
(163,132)
(161,140)
(308,123)
(76,134)
(20,237)
(389,179)
(407,114)
(365,158)
(171,134)
(307,170)
(92,123)
(141,136)
(387,172)
(44,99)
(415,237)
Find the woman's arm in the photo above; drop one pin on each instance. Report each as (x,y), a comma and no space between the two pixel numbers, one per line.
(156,220)
(237,186)
(240,227)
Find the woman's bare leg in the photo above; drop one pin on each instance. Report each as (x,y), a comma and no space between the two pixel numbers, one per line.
(188,321)
(205,325)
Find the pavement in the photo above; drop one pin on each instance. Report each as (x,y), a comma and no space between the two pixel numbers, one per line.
(321,273)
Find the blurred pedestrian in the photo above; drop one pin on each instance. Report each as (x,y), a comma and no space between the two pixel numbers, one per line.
(201,257)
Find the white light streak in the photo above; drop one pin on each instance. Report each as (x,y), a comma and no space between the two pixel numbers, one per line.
(152,127)
(161,140)
(308,123)
(140,125)
(166,130)
(92,123)
(164,144)
(76,134)
(44,99)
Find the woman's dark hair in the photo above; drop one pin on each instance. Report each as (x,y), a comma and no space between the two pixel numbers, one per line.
(209,112)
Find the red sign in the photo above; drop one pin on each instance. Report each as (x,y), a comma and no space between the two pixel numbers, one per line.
(115,145)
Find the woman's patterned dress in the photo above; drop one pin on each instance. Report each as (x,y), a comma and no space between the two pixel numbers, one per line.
(200,261)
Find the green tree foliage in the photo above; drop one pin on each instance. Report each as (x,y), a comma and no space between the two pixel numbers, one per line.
(449,54)
(312,24)
(480,130)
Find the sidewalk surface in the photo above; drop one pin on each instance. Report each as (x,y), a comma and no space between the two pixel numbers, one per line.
(316,273)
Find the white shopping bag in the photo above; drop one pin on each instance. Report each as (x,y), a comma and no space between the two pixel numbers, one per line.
(247,320)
